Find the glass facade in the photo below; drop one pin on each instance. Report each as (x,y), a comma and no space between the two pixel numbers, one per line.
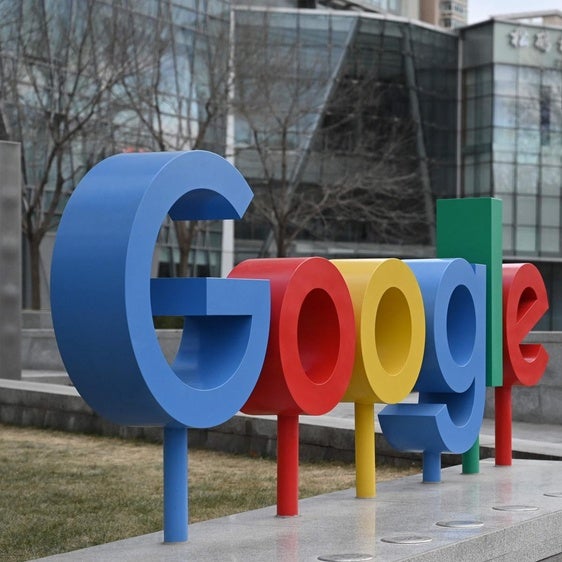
(80,81)
(336,99)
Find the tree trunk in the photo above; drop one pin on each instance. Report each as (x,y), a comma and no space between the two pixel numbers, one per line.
(35,271)
(185,232)
(281,242)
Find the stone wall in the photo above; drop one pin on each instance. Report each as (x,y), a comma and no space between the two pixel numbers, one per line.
(40,351)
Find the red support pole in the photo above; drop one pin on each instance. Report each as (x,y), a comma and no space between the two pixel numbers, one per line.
(287,465)
(503,425)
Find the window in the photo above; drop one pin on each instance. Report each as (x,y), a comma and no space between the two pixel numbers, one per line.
(505,112)
(504,179)
(550,240)
(551,180)
(526,210)
(527,178)
(505,80)
(550,211)
(525,239)
(395,5)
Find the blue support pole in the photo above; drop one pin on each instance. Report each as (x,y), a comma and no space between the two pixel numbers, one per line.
(175,484)
(431,466)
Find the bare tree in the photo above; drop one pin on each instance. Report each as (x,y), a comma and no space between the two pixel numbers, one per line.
(278,105)
(57,71)
(322,146)
(177,91)
(369,152)
(82,80)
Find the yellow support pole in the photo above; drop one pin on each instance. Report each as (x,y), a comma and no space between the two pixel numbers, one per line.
(365,484)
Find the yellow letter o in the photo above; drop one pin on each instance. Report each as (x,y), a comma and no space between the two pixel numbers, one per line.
(390,329)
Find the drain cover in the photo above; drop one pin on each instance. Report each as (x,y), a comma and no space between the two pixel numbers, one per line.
(345,557)
(515,508)
(406,539)
(461,524)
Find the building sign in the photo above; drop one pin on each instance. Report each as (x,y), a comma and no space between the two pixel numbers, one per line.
(541,40)
(527,45)
(278,336)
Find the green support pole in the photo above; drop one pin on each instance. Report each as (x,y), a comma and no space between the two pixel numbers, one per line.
(471,459)
(471,228)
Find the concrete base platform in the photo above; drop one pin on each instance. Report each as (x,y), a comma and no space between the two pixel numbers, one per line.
(503,513)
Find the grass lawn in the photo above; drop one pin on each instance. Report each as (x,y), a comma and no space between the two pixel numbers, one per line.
(64,491)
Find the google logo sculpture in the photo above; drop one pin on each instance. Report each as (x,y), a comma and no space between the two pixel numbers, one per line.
(286,336)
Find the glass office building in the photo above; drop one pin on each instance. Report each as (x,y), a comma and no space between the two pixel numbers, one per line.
(322,95)
(512,139)
(82,80)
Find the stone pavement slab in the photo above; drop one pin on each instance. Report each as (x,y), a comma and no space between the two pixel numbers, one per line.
(504,513)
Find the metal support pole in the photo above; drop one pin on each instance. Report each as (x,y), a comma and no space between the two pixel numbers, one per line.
(175,484)
(287,465)
(365,486)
